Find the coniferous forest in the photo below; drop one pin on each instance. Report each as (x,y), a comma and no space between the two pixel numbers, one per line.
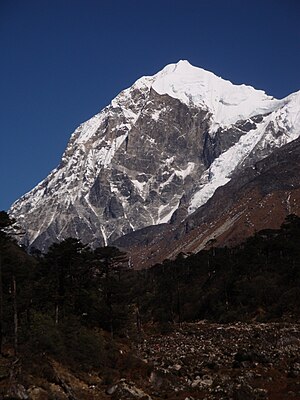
(73,304)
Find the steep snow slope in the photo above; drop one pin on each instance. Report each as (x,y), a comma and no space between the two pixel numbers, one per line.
(280,127)
(167,142)
(226,102)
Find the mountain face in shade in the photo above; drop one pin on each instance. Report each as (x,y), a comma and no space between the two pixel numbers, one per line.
(155,154)
(257,198)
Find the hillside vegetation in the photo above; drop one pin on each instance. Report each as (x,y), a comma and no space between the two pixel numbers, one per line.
(86,308)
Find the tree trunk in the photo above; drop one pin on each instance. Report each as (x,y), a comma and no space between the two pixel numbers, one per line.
(1,307)
(178,304)
(56,313)
(14,293)
(138,318)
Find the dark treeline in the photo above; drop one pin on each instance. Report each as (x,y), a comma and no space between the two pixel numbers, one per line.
(256,281)
(64,303)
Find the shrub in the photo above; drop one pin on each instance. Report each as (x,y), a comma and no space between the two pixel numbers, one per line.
(45,336)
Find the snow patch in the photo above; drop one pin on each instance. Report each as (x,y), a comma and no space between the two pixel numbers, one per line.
(89,128)
(183,173)
(106,153)
(169,160)
(140,186)
(155,115)
(165,213)
(104,235)
(169,180)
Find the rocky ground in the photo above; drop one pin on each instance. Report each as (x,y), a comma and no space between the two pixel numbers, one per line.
(239,361)
(196,361)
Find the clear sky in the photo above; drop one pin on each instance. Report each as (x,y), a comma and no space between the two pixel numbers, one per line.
(62,61)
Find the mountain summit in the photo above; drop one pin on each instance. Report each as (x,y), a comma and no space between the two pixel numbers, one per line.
(226,102)
(155,154)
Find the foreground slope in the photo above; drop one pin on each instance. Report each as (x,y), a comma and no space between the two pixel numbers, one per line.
(163,145)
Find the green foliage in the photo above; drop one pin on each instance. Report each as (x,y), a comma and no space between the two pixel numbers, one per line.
(45,335)
(66,297)
(258,280)
(5,220)
(86,347)
(69,341)
(62,300)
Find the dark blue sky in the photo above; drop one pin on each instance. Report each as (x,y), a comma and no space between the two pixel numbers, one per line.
(64,60)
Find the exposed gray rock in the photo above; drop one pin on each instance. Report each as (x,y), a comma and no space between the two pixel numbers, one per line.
(111,390)
(198,348)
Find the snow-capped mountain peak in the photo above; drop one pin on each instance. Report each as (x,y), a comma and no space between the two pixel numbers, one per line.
(227,102)
(195,86)
(164,144)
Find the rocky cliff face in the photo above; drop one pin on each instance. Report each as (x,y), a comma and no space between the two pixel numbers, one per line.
(259,197)
(154,155)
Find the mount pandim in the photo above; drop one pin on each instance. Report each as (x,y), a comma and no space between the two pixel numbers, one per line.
(178,160)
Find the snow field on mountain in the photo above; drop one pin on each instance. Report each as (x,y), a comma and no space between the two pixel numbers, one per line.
(219,172)
(286,118)
(228,103)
